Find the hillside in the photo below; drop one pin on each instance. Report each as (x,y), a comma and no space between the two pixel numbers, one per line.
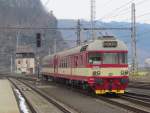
(25,13)
(143,35)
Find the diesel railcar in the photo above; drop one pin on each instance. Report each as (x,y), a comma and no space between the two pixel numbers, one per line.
(100,65)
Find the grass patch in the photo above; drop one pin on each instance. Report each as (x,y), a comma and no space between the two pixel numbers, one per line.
(139,73)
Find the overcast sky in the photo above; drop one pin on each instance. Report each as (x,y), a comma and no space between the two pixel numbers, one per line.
(106,10)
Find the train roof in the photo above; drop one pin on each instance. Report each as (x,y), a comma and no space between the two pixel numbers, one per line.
(95,45)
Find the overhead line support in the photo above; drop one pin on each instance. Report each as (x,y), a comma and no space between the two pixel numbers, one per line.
(134,67)
(73,28)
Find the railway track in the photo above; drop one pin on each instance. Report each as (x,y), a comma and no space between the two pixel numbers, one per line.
(137,103)
(57,104)
(140,85)
(127,103)
(138,98)
(31,108)
(130,101)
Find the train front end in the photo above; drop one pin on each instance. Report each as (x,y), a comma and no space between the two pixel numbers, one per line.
(107,63)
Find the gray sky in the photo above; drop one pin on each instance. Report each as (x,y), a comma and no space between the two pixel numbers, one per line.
(106,10)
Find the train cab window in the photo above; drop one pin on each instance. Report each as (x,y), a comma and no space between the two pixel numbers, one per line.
(123,58)
(110,58)
(95,58)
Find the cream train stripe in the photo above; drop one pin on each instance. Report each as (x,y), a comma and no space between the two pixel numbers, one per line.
(87,71)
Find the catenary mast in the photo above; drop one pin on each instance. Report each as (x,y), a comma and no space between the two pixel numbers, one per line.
(133,39)
(93,15)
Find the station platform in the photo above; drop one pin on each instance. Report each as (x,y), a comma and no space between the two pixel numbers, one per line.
(8,103)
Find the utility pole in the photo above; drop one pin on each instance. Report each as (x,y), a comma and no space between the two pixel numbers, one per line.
(49,51)
(55,46)
(38,45)
(133,38)
(78,33)
(18,35)
(11,63)
(93,13)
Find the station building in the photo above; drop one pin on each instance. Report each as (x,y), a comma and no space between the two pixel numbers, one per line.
(25,60)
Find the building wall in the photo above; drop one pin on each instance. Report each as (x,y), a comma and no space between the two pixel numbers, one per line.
(25,65)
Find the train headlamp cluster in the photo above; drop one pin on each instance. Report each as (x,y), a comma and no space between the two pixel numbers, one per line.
(124,80)
(124,72)
(99,81)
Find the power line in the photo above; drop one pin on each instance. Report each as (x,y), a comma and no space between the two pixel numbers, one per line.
(147,19)
(63,28)
(117,9)
(116,14)
(47,2)
(148,13)
(107,2)
(141,2)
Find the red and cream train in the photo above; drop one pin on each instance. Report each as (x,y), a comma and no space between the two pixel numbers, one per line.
(100,65)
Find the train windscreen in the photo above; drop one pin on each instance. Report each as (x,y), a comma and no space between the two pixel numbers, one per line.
(107,58)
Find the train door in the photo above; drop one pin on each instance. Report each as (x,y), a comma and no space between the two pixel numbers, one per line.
(85,58)
(55,64)
(71,64)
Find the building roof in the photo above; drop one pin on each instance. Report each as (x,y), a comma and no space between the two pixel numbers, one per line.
(24,49)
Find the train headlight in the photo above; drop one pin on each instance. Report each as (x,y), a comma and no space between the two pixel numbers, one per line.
(99,81)
(124,72)
(124,81)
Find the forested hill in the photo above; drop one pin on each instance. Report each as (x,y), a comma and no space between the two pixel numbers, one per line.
(25,13)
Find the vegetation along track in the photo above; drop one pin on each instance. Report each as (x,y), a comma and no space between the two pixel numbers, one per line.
(60,106)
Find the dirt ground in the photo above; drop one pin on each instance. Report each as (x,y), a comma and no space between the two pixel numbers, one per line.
(140,78)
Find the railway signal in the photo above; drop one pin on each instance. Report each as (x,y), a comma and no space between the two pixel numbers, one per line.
(38,40)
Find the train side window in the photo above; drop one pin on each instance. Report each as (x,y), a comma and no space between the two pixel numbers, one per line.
(123,58)
(76,61)
(95,58)
(63,63)
(81,59)
(60,63)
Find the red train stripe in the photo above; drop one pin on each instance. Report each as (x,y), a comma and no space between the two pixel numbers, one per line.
(84,78)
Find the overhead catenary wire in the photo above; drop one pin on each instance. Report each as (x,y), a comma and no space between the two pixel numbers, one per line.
(117,9)
(47,2)
(117,13)
(141,2)
(63,28)
(148,13)
(147,19)
(122,10)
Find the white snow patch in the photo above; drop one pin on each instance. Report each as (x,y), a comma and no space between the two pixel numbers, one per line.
(22,103)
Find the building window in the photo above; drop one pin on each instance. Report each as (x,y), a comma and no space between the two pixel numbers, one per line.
(19,62)
(26,61)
